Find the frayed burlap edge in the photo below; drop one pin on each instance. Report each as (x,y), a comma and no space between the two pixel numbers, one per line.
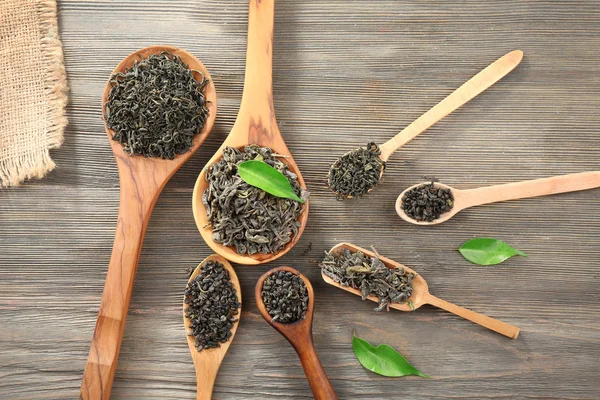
(15,171)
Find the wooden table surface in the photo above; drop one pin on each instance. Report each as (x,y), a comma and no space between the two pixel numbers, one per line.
(345,73)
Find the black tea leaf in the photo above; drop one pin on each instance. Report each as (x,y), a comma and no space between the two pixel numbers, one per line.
(356,172)
(370,276)
(212,306)
(156,107)
(285,296)
(427,202)
(246,217)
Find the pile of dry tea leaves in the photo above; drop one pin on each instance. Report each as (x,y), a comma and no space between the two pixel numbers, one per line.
(212,306)
(285,296)
(427,202)
(356,172)
(370,276)
(246,217)
(156,107)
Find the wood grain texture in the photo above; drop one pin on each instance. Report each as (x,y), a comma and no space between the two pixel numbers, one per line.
(345,73)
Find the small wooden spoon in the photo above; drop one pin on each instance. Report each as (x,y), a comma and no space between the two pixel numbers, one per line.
(255,124)
(470,89)
(208,361)
(141,181)
(511,191)
(421,296)
(299,334)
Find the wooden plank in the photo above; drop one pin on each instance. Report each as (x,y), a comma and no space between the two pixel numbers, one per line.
(345,73)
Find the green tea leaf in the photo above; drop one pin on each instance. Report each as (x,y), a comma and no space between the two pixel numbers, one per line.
(267,178)
(383,359)
(487,251)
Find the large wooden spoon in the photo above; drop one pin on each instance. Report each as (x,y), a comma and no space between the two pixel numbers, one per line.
(255,124)
(469,90)
(141,181)
(511,191)
(299,334)
(421,295)
(208,361)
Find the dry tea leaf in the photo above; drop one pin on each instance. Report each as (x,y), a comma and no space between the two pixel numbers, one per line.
(383,359)
(488,251)
(267,178)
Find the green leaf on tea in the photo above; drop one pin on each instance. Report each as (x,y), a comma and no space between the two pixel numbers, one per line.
(487,251)
(383,359)
(267,178)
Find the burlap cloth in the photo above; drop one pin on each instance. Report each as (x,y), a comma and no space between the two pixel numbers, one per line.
(32,89)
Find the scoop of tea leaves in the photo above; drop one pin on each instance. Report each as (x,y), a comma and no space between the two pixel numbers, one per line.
(212,306)
(156,107)
(244,216)
(285,296)
(370,276)
(427,202)
(356,172)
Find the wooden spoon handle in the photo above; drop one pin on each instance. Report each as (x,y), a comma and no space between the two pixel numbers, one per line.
(106,342)
(205,380)
(258,82)
(532,188)
(315,374)
(474,86)
(495,325)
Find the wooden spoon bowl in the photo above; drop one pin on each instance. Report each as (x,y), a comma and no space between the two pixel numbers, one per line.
(141,181)
(459,204)
(208,361)
(299,334)
(421,296)
(255,124)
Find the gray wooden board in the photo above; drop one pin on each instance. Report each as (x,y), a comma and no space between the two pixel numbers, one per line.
(345,73)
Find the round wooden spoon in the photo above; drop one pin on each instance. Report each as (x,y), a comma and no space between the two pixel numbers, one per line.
(255,124)
(141,181)
(299,334)
(511,191)
(470,89)
(208,361)
(421,295)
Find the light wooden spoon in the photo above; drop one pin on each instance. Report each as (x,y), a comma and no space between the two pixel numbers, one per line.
(141,181)
(299,334)
(470,89)
(255,124)
(208,361)
(421,295)
(511,191)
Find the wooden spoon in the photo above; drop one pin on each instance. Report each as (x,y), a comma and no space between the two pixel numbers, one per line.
(141,181)
(208,361)
(255,124)
(470,89)
(299,334)
(421,295)
(511,191)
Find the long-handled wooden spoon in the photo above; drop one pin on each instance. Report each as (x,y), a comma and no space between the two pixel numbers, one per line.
(421,295)
(511,191)
(299,334)
(470,89)
(208,361)
(141,181)
(255,124)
